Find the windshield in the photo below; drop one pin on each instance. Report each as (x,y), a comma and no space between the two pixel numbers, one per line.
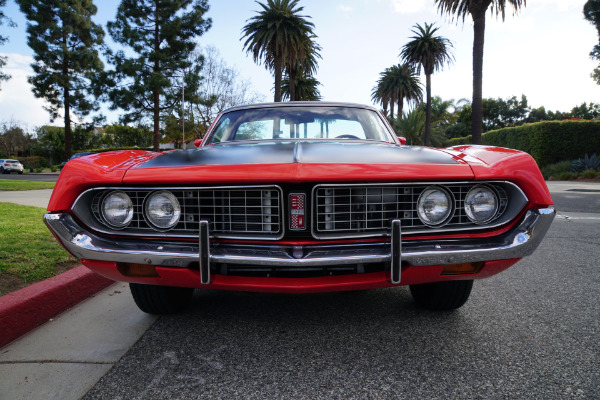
(300,123)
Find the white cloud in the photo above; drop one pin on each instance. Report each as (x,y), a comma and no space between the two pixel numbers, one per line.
(17,102)
(345,9)
(409,6)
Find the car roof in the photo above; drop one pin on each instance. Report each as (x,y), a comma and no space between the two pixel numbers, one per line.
(299,104)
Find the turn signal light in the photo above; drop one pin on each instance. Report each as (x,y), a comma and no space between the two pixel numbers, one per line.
(138,270)
(464,268)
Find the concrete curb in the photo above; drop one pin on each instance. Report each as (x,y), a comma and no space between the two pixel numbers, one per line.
(28,308)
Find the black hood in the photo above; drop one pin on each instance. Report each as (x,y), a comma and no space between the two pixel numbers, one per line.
(309,152)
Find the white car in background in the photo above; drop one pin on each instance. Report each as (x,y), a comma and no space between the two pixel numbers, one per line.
(8,165)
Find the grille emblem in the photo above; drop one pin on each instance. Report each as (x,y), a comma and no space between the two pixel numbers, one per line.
(297,211)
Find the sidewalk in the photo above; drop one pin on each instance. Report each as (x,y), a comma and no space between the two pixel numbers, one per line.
(65,357)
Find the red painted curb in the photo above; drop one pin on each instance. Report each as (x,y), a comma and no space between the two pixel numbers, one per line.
(27,308)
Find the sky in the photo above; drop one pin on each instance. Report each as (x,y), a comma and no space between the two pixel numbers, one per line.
(542,52)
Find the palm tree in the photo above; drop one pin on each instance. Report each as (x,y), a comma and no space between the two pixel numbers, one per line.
(300,71)
(306,89)
(477,9)
(396,84)
(278,33)
(380,95)
(411,125)
(430,52)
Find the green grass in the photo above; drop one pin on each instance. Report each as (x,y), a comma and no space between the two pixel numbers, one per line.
(27,249)
(14,184)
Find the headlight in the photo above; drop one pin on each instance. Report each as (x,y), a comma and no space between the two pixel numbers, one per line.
(162,209)
(434,206)
(117,209)
(481,204)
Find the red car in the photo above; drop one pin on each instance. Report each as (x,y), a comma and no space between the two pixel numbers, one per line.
(298,198)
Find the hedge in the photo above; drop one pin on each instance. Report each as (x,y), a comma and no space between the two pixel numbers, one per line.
(548,142)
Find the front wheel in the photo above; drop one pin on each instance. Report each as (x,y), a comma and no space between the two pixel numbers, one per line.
(160,300)
(441,296)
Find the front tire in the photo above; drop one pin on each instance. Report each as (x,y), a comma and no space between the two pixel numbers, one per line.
(161,300)
(442,296)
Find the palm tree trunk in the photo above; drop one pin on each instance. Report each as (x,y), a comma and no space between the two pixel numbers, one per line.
(278,67)
(477,105)
(427,135)
(400,106)
(392,101)
(292,78)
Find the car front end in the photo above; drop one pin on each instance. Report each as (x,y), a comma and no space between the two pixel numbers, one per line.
(302,211)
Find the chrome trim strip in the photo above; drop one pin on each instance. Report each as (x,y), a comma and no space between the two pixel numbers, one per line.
(204,253)
(518,242)
(396,249)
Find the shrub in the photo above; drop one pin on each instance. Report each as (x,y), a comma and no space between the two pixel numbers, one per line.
(564,176)
(548,142)
(590,174)
(556,169)
(33,162)
(585,163)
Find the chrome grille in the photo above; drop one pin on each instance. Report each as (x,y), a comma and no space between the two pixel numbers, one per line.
(231,212)
(359,210)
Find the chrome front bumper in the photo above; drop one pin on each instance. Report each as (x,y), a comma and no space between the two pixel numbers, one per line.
(518,242)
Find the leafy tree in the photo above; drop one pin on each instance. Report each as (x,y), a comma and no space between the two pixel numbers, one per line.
(126,136)
(13,140)
(591,12)
(221,88)
(279,36)
(50,143)
(477,9)
(586,111)
(396,84)
(428,51)
(65,42)
(499,113)
(159,37)
(3,39)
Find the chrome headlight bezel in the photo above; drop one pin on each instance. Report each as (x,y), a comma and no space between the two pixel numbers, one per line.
(492,195)
(171,201)
(446,216)
(128,207)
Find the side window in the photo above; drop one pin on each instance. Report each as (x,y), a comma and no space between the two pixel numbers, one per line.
(223,127)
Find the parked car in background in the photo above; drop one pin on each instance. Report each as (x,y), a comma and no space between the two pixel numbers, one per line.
(8,165)
(301,197)
(76,155)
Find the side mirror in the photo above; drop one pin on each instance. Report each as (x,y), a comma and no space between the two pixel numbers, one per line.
(402,139)
(198,142)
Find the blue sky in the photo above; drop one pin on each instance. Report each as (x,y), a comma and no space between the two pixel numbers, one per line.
(542,52)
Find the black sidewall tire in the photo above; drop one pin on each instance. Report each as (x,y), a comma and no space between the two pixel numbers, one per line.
(160,300)
(442,296)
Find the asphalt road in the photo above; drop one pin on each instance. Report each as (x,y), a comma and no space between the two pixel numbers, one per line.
(49,177)
(532,331)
